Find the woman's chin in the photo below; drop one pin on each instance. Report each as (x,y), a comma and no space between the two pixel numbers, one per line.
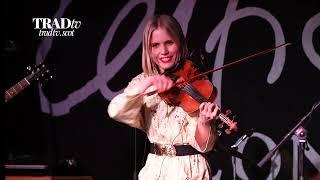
(167,66)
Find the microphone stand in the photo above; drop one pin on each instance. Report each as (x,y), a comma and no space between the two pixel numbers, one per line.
(302,136)
(301,133)
(234,148)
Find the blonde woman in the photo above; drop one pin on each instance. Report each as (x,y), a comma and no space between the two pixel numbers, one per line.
(177,138)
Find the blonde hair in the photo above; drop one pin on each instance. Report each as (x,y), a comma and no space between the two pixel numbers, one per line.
(173,28)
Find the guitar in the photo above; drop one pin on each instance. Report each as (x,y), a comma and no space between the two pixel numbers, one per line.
(35,74)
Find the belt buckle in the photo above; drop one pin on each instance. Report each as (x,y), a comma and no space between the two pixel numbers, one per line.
(168,150)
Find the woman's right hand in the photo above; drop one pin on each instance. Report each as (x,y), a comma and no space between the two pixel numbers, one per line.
(157,83)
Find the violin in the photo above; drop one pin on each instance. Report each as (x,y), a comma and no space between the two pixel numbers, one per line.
(190,94)
(193,88)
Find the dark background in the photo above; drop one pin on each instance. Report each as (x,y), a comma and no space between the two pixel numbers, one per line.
(106,149)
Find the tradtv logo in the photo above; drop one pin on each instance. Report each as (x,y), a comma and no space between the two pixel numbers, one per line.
(56,26)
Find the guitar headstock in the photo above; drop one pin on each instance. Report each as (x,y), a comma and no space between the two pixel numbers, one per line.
(38,72)
(227,124)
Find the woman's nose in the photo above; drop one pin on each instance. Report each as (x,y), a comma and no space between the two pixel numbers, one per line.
(164,50)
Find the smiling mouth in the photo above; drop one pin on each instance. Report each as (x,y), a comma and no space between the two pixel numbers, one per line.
(165,59)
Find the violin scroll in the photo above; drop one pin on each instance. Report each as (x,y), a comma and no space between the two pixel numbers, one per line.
(225,120)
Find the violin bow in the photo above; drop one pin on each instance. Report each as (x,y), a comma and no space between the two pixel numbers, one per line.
(233,63)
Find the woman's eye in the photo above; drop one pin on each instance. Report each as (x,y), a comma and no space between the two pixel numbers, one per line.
(155,45)
(169,42)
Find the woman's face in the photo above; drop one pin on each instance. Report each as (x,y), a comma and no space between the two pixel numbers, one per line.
(164,50)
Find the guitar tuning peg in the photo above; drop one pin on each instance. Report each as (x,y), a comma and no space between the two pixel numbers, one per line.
(234,117)
(228,112)
(29,68)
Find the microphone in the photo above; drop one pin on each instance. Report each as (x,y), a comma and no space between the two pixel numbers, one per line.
(242,138)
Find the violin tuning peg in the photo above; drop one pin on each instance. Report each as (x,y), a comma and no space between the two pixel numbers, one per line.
(227,131)
(228,112)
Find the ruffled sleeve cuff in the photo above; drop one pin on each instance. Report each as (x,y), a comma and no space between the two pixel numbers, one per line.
(193,142)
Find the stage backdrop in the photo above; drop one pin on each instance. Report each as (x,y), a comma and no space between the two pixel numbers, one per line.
(93,49)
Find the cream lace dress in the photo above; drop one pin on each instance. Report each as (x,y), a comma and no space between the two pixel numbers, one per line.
(163,124)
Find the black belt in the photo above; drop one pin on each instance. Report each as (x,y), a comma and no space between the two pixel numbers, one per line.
(172,150)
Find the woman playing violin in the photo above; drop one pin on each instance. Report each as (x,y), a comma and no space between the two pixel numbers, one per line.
(177,138)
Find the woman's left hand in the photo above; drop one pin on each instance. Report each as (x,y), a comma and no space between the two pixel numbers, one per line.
(208,112)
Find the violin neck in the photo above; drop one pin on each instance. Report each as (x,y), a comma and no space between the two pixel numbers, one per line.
(225,119)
